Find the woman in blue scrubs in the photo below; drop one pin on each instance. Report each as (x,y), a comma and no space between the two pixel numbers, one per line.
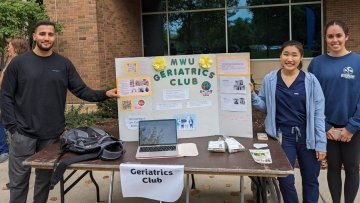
(294,106)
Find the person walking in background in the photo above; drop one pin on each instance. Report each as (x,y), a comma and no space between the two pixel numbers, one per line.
(294,105)
(338,72)
(33,99)
(15,47)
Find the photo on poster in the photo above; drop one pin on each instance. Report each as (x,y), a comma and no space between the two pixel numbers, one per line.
(132,67)
(134,86)
(233,102)
(185,122)
(126,104)
(233,85)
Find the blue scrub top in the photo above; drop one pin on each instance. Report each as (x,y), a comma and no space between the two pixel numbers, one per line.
(291,102)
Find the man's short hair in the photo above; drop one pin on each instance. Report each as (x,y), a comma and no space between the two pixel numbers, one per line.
(44,22)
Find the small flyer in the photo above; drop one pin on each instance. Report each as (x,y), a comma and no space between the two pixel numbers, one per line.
(261,156)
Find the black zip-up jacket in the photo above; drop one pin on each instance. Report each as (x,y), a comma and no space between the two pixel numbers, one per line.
(33,94)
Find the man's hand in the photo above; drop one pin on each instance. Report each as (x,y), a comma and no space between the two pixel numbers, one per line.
(320,155)
(112,93)
(330,135)
(345,135)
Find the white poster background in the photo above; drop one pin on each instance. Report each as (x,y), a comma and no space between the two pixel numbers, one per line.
(135,180)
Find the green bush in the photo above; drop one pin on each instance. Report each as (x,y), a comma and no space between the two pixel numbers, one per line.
(75,118)
(108,108)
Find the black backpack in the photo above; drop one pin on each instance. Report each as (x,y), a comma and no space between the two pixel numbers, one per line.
(90,143)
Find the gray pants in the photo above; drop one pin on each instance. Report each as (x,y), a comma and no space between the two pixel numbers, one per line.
(21,148)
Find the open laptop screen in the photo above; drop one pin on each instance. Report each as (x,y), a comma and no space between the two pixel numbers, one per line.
(157,132)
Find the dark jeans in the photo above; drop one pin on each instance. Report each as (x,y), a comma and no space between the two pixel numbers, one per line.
(345,154)
(4,147)
(294,145)
(22,147)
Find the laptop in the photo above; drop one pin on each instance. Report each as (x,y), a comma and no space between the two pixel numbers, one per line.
(157,138)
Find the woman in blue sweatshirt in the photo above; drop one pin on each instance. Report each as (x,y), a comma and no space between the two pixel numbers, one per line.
(338,72)
(294,105)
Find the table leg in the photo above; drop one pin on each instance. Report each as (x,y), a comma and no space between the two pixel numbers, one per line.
(187,188)
(111,186)
(62,193)
(241,189)
(96,186)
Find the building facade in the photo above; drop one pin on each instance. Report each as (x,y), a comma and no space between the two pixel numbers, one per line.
(96,32)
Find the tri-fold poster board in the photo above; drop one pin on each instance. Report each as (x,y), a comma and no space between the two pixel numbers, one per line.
(207,94)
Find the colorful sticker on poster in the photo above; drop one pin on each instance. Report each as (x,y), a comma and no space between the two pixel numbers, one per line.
(233,65)
(206,88)
(185,121)
(134,86)
(132,67)
(139,104)
(126,104)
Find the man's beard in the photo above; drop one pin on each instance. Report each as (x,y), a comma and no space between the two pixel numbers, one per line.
(39,45)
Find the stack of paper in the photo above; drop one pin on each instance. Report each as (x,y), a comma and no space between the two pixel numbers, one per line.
(261,156)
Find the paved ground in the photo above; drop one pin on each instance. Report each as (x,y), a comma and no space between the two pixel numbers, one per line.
(211,189)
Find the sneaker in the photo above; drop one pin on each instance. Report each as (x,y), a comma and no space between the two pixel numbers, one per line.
(4,157)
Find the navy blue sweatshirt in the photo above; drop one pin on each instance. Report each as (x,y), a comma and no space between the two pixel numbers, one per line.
(339,78)
(33,94)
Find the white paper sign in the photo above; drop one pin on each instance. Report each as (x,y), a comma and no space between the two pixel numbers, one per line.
(132,122)
(233,102)
(175,94)
(168,106)
(198,104)
(232,66)
(157,182)
(233,85)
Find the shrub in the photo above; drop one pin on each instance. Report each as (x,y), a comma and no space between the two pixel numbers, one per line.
(108,108)
(75,118)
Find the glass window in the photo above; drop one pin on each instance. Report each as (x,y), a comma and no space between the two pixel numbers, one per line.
(198,32)
(248,31)
(155,35)
(180,5)
(307,28)
(153,5)
(299,1)
(235,3)
(256,26)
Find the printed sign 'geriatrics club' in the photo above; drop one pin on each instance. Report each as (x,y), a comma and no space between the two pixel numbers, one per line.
(158,182)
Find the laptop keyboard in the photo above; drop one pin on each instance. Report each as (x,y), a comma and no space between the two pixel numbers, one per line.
(158,148)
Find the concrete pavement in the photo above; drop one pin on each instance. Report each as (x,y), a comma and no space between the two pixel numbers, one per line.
(211,189)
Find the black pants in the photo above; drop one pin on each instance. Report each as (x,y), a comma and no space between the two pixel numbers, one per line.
(346,154)
(21,148)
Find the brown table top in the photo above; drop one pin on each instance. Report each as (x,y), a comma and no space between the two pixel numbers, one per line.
(240,163)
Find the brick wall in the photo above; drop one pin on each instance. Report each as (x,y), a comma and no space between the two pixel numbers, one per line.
(95,32)
(347,11)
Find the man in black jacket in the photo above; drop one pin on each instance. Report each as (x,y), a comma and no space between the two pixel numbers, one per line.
(33,102)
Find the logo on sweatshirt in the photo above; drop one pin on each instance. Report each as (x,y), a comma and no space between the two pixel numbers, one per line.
(348,73)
